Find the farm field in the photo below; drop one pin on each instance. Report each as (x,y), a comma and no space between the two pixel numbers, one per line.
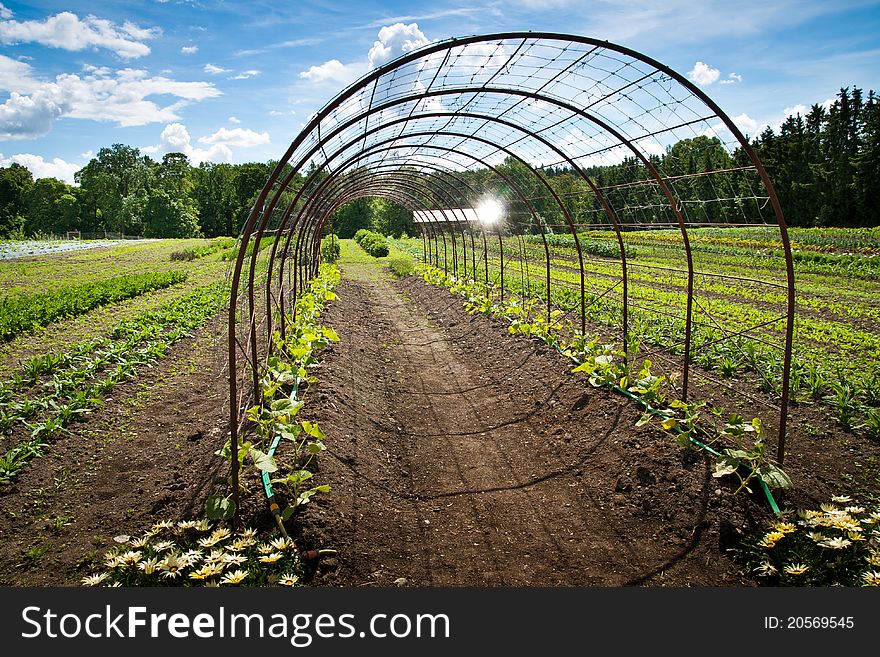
(740,284)
(103,406)
(10,250)
(457,452)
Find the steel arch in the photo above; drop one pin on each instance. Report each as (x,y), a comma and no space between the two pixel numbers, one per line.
(530,96)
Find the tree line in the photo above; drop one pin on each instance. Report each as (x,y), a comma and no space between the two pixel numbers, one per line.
(825,168)
(124,192)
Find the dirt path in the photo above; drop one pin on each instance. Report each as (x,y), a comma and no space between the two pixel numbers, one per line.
(461,456)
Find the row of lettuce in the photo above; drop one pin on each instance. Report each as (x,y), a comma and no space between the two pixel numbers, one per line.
(40,400)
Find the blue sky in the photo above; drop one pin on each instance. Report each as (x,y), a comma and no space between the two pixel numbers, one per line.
(234,81)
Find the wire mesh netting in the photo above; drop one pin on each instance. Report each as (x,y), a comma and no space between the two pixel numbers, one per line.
(619,182)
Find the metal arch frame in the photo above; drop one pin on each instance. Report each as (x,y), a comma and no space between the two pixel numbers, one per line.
(513,185)
(612,218)
(404,182)
(280,182)
(500,174)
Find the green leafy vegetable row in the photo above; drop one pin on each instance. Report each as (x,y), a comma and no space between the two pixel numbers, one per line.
(23,313)
(76,380)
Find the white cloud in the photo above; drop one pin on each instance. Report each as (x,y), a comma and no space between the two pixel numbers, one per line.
(244,75)
(138,32)
(395,40)
(214,70)
(234,120)
(335,71)
(28,117)
(703,74)
(15,75)
(102,95)
(746,124)
(175,139)
(97,70)
(40,168)
(291,43)
(800,108)
(5,13)
(444,13)
(68,32)
(732,78)
(279,113)
(803,110)
(189,50)
(124,99)
(236,137)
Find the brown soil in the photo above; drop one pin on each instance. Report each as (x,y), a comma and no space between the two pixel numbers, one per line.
(458,455)
(146,455)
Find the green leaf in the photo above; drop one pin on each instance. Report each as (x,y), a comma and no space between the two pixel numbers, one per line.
(288,511)
(316,448)
(313,429)
(645,419)
(262,461)
(299,476)
(282,404)
(683,440)
(773,476)
(219,507)
(585,367)
(330,334)
(724,467)
(669,423)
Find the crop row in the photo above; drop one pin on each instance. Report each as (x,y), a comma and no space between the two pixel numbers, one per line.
(741,444)
(724,297)
(51,390)
(835,363)
(372,243)
(273,418)
(231,252)
(196,252)
(24,313)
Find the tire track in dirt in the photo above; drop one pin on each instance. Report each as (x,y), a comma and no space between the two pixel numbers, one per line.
(461,456)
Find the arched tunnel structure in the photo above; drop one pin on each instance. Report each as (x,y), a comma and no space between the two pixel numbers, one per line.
(445,128)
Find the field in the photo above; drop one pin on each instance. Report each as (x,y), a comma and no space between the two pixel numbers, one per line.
(456,445)
(739,306)
(93,395)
